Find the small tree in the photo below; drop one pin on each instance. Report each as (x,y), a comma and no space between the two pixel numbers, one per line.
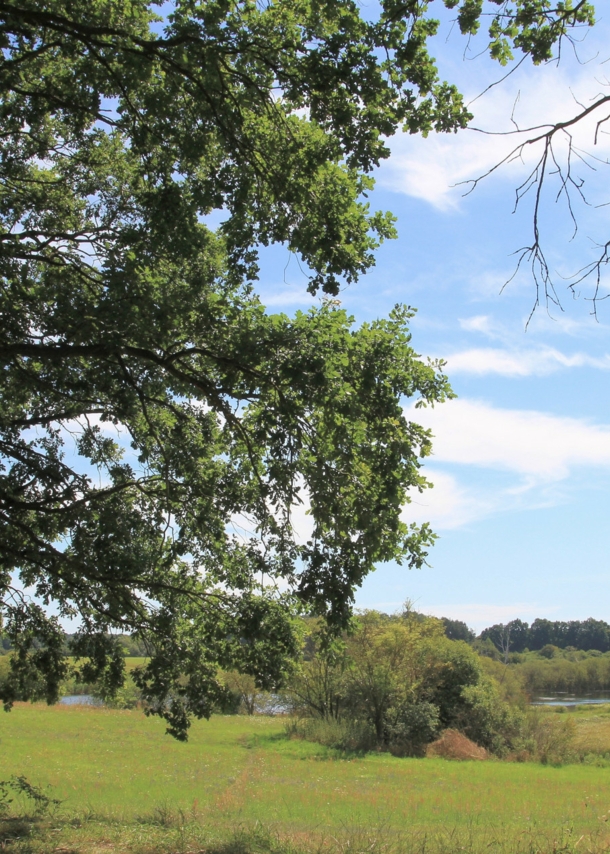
(244,688)
(389,668)
(317,684)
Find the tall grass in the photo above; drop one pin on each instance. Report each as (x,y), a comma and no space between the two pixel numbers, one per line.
(179,834)
(345,736)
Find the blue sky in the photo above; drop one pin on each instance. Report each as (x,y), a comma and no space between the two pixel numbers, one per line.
(521,462)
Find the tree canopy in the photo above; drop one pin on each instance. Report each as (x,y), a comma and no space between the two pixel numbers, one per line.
(158,426)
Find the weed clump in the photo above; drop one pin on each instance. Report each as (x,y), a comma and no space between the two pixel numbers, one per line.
(545,739)
(39,801)
(342,735)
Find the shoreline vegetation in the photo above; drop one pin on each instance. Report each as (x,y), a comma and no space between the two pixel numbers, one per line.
(398,682)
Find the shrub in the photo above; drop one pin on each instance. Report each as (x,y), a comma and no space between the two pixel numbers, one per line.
(547,739)
(127,697)
(549,651)
(414,727)
(488,720)
(394,682)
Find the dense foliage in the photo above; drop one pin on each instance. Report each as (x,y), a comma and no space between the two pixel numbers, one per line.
(157,427)
(396,683)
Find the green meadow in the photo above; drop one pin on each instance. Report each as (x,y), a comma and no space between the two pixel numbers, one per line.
(125,784)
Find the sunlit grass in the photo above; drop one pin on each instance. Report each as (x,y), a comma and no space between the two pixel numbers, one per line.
(239,770)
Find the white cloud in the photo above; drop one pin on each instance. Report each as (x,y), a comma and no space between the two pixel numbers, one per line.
(287,297)
(532,455)
(447,504)
(302,521)
(541,448)
(541,324)
(519,363)
(478,323)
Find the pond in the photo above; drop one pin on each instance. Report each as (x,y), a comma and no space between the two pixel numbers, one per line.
(80,700)
(564,698)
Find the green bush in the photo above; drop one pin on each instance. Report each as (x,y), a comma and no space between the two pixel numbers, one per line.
(487,720)
(547,739)
(127,697)
(553,670)
(393,683)
(414,727)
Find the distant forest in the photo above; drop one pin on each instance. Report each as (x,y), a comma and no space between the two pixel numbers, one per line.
(131,646)
(518,636)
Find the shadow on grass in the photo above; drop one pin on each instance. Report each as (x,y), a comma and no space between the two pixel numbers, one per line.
(13,828)
(25,832)
(259,739)
(256,841)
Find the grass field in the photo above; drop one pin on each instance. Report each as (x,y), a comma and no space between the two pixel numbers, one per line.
(121,772)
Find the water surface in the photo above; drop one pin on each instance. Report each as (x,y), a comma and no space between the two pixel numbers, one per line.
(80,700)
(564,698)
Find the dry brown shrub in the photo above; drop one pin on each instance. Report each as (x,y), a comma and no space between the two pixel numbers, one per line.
(454,745)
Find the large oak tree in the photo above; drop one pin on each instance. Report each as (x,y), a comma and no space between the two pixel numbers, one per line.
(124,310)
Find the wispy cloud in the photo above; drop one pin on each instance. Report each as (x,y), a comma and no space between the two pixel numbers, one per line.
(447,504)
(479,323)
(285,297)
(535,445)
(541,324)
(519,363)
(532,455)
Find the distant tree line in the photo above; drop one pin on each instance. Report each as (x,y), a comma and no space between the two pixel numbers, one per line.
(517,636)
(131,646)
(559,674)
